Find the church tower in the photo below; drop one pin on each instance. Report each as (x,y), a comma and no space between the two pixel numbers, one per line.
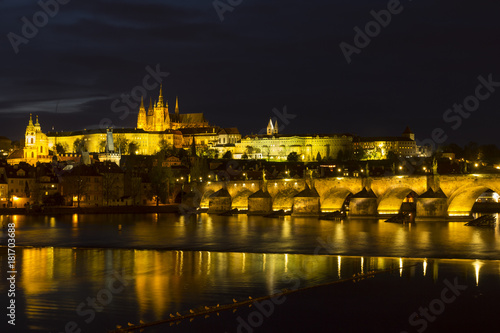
(177,105)
(150,116)
(270,127)
(276,127)
(161,114)
(36,146)
(30,140)
(141,118)
(409,134)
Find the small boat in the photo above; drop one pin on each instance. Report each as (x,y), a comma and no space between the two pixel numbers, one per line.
(489,221)
(401,218)
(334,216)
(229,212)
(277,213)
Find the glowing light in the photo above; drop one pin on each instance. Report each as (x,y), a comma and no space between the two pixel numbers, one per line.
(339,266)
(476,165)
(339,170)
(15,198)
(459,214)
(477,266)
(424,265)
(400,267)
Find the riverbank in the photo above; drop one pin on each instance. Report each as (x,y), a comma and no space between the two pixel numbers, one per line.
(173,208)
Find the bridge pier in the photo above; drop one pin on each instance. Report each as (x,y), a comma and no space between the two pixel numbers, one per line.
(432,204)
(363,203)
(306,203)
(219,202)
(260,203)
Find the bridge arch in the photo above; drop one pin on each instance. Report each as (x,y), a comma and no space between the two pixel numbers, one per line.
(240,199)
(392,199)
(205,198)
(462,200)
(334,199)
(284,199)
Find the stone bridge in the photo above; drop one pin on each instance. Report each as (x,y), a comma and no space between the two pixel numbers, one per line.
(436,195)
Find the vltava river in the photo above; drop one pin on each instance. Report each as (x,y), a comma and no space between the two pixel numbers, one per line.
(158,265)
(242,233)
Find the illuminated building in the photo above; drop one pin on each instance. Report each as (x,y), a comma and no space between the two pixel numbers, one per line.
(275,146)
(379,147)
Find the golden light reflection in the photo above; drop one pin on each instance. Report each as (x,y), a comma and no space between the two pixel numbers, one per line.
(286,262)
(424,265)
(339,266)
(75,221)
(400,267)
(477,266)
(362,265)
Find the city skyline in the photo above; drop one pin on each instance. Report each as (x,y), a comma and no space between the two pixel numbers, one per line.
(242,65)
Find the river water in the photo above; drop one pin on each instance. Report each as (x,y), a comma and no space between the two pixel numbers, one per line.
(160,264)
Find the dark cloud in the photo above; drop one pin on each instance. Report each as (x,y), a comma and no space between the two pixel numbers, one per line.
(264,55)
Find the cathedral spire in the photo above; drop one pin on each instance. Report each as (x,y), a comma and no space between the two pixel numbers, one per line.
(31,121)
(276,127)
(270,127)
(150,108)
(160,98)
(176,104)
(142,103)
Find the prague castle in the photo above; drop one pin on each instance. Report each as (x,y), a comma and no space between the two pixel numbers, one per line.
(157,127)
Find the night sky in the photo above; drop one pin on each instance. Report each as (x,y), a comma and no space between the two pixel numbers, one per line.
(263,55)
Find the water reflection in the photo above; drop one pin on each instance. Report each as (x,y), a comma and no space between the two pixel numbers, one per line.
(241,233)
(54,281)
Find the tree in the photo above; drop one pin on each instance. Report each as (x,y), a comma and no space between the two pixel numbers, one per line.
(79,146)
(121,144)
(293,157)
(244,156)
(361,154)
(228,155)
(133,148)
(102,145)
(109,187)
(340,155)
(76,185)
(160,177)
(199,169)
(61,148)
(318,157)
